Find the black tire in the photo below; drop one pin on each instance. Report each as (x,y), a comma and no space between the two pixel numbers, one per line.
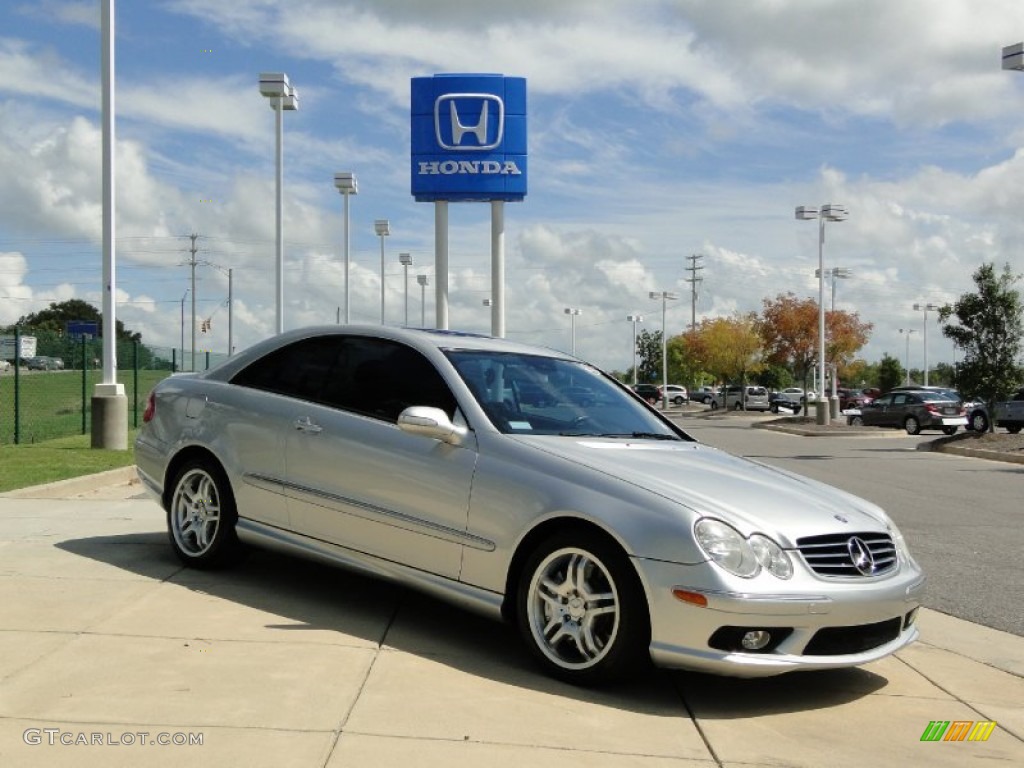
(677,400)
(714,405)
(201,516)
(912,425)
(593,625)
(773,408)
(978,422)
(1014,429)
(737,406)
(949,430)
(856,421)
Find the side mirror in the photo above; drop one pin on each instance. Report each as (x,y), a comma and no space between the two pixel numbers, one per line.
(431,422)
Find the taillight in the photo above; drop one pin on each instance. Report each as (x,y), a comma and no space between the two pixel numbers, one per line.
(932,408)
(147,415)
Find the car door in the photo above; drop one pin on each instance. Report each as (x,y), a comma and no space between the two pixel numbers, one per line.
(873,413)
(356,480)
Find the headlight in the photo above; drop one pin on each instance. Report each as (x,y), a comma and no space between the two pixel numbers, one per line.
(771,556)
(901,544)
(727,547)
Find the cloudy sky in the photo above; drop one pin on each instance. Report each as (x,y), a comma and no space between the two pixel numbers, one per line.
(658,129)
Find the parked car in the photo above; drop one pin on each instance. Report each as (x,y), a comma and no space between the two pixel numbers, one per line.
(756,399)
(914,410)
(850,398)
(703,394)
(649,392)
(781,401)
(975,411)
(1010,413)
(676,394)
(39,363)
(606,535)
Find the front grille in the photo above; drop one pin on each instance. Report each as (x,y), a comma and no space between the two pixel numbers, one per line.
(838,641)
(829,554)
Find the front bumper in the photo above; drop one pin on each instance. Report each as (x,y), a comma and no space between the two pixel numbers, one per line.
(816,623)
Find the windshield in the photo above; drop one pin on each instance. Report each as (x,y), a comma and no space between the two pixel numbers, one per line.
(535,395)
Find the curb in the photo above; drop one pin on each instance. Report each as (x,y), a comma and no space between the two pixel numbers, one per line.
(973,453)
(74,486)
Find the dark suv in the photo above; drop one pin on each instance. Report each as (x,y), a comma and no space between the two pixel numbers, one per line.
(649,392)
(913,410)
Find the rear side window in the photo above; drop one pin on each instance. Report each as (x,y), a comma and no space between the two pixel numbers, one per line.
(372,377)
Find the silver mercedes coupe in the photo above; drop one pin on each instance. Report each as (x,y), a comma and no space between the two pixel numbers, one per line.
(532,487)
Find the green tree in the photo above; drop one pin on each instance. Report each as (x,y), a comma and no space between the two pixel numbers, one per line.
(648,355)
(988,329)
(890,373)
(56,317)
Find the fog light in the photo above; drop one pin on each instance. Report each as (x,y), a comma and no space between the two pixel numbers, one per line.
(756,640)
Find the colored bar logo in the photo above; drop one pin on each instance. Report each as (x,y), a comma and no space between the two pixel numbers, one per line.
(958,730)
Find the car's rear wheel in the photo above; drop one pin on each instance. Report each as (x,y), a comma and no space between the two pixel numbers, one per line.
(912,425)
(856,421)
(201,516)
(581,610)
(714,405)
(979,421)
(678,400)
(1014,429)
(737,406)
(949,430)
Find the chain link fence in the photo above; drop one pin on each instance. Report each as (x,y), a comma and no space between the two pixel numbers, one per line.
(49,395)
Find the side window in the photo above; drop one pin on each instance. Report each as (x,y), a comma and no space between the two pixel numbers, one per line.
(381,378)
(299,370)
(899,399)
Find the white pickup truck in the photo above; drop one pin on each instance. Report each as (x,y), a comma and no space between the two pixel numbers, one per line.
(1010,413)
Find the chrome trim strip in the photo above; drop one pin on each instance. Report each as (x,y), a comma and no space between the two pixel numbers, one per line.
(478,600)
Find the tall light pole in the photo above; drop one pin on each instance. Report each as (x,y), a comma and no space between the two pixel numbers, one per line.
(406,261)
(572,312)
(109,404)
(282,96)
(827,212)
(347,185)
(906,357)
(634,318)
(835,273)
(383,229)
(665,297)
(424,281)
(924,308)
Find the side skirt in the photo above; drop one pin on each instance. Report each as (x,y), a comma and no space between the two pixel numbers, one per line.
(472,598)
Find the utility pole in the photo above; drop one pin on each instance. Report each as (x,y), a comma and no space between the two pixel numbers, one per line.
(693,269)
(192,263)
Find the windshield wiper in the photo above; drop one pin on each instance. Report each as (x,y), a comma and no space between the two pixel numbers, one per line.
(639,435)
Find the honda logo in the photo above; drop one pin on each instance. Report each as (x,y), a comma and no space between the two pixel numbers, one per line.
(469,121)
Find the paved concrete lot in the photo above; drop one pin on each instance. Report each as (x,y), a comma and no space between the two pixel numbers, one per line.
(104,637)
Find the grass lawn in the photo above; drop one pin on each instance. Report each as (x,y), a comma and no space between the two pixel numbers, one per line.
(49,460)
(51,403)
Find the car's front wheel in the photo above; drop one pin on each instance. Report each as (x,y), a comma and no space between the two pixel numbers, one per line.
(201,516)
(581,609)
(714,405)
(912,425)
(856,421)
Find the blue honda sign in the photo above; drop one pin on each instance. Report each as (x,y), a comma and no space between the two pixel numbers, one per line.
(468,138)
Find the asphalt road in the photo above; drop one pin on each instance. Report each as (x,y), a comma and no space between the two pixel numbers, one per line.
(963,518)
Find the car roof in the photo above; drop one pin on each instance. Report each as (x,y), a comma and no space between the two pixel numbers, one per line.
(423,339)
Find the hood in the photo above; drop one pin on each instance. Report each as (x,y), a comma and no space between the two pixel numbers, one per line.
(751,496)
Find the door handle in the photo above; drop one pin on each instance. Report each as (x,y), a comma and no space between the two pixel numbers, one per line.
(307,425)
